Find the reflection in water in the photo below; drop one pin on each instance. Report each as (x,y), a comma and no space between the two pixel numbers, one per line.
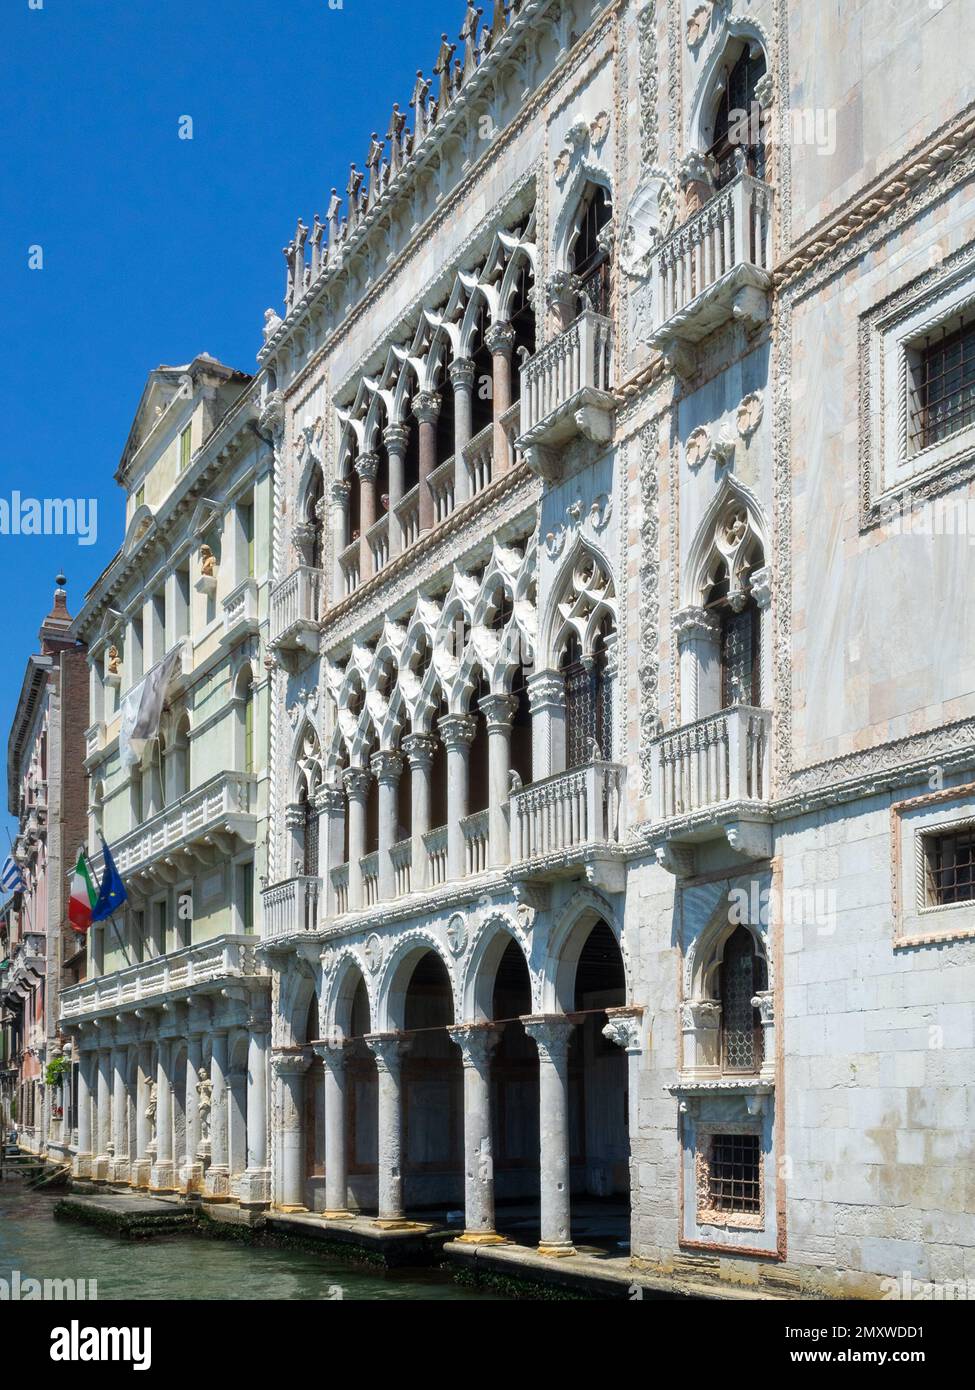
(188,1267)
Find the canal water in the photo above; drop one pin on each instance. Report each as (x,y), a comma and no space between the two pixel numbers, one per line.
(191,1267)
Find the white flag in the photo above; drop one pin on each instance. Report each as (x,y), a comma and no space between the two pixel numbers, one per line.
(142,709)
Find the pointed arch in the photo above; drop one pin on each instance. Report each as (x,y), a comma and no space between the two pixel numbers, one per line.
(494,935)
(398,971)
(580,915)
(733,498)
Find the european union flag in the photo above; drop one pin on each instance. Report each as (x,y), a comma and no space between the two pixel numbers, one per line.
(111,892)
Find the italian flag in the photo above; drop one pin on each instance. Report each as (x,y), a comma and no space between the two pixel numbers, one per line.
(83,895)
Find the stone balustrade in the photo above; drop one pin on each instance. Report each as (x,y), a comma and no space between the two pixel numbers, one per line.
(408,515)
(378,540)
(476,841)
(441,485)
(185,970)
(294,609)
(369,866)
(402,857)
(479,460)
(568,377)
(715,265)
(435,842)
(240,610)
(349,564)
(570,810)
(291,905)
(223,804)
(340,886)
(720,758)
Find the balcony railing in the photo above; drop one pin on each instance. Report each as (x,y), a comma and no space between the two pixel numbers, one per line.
(566,387)
(349,564)
(188,969)
(435,842)
(291,905)
(408,515)
(475,828)
(441,485)
(369,868)
(340,885)
(570,810)
(240,610)
(94,740)
(715,266)
(378,538)
(225,803)
(294,610)
(720,758)
(479,460)
(402,857)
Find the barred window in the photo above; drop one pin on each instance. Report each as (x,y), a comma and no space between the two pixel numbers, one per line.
(310,837)
(942,394)
(588,700)
(734,1174)
(950,867)
(743,974)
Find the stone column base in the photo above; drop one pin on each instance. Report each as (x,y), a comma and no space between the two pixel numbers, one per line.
(482,1238)
(99,1168)
(344,1215)
(119,1170)
(191,1177)
(287,1208)
(139,1172)
(81,1165)
(254,1187)
(162,1177)
(557,1252)
(216,1185)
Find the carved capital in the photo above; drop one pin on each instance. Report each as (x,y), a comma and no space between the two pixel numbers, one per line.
(624,1026)
(367,466)
(500,339)
(387,765)
(700,1015)
(426,407)
(476,1041)
(546,689)
(270,422)
(498,710)
(340,493)
(764,1002)
(420,748)
(462,373)
(457,730)
(389,1049)
(396,438)
(330,798)
(552,1034)
(289,1064)
(357,781)
(760,586)
(695,624)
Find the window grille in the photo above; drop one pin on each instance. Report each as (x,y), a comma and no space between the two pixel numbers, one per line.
(950,867)
(942,396)
(734,1173)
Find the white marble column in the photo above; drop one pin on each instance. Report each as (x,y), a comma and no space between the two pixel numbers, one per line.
(499,711)
(236,1124)
(357,781)
(387,767)
(419,748)
(336,1164)
(698,635)
(624,1026)
(120,1116)
(330,800)
(457,732)
(217,1179)
(552,1034)
(396,438)
(191,1175)
(81,1164)
(546,697)
(462,380)
(340,535)
(760,587)
(367,466)
(144,1146)
(103,1116)
(162,1177)
(255,1184)
(290,1069)
(389,1050)
(477,1042)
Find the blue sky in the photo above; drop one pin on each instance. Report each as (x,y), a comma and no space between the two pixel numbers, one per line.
(156,248)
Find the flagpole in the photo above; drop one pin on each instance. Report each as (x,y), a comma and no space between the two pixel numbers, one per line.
(111,915)
(22,891)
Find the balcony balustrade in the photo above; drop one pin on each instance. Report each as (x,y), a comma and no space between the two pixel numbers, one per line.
(714,267)
(408,515)
(369,868)
(441,485)
(349,564)
(212,815)
(402,857)
(340,886)
(569,814)
(476,842)
(479,460)
(291,905)
(185,971)
(566,392)
(435,842)
(240,615)
(378,538)
(294,611)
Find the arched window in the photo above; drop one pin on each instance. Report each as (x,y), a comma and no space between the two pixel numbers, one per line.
(310,837)
(522,319)
(588,698)
(737,120)
(743,975)
(739,619)
(482,410)
(588,258)
(313,519)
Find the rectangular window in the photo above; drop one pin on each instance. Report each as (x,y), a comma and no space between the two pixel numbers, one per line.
(942,391)
(949,864)
(140,497)
(158,947)
(137,928)
(184,919)
(734,1174)
(245,895)
(185,449)
(245,521)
